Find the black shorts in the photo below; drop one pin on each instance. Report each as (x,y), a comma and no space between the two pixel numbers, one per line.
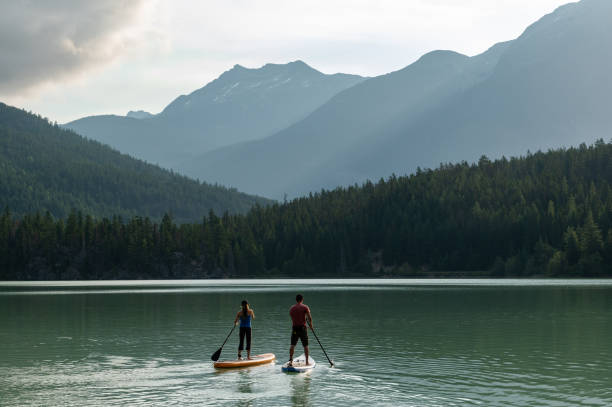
(299,332)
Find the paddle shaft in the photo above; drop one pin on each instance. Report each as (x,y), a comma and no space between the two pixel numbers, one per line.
(223,344)
(228,335)
(323,349)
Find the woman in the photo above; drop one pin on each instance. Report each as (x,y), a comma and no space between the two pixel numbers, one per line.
(245,315)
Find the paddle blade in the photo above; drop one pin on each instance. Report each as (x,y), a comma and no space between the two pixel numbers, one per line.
(215,356)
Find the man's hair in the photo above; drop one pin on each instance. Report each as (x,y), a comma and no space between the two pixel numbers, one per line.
(299,297)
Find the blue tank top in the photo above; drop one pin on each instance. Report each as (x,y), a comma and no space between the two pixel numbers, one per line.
(245,322)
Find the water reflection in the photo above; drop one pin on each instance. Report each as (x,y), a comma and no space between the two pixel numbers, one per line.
(245,387)
(300,389)
(244,381)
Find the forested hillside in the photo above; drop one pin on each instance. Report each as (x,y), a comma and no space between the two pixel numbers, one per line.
(546,214)
(46,168)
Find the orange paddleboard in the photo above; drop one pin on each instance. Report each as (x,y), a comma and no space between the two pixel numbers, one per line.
(254,361)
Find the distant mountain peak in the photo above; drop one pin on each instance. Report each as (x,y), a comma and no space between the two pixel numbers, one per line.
(139,114)
(436,60)
(299,64)
(240,80)
(293,66)
(441,56)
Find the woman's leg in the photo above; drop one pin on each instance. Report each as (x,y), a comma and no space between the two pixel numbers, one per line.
(241,345)
(248,340)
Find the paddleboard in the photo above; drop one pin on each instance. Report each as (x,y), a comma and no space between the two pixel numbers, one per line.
(299,365)
(254,361)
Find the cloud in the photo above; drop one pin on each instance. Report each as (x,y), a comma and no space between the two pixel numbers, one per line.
(50,41)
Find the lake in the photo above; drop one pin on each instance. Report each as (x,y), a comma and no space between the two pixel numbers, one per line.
(394,342)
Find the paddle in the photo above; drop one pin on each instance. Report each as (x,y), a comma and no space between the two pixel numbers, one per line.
(215,356)
(331,364)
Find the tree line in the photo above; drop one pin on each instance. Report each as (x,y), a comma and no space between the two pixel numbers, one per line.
(544,214)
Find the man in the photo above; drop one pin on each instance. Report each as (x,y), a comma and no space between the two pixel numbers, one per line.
(299,313)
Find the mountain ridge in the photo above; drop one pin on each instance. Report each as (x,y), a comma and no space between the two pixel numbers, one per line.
(241,104)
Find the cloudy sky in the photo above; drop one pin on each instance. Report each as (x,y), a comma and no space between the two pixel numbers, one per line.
(66,59)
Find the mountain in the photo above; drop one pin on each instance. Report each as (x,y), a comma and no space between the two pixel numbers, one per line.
(242,104)
(548,88)
(279,164)
(47,168)
(139,114)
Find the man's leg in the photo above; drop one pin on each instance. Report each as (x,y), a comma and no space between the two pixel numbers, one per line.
(304,339)
(291,349)
(294,339)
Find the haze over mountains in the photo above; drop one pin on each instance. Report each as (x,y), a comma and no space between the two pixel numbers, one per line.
(313,153)
(550,87)
(242,104)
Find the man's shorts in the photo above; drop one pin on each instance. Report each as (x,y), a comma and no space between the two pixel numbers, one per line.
(299,332)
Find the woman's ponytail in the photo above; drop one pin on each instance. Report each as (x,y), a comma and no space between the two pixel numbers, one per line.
(245,308)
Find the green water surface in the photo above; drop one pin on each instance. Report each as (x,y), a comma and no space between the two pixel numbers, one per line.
(401,343)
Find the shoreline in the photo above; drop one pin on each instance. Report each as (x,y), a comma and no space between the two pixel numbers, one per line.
(530,282)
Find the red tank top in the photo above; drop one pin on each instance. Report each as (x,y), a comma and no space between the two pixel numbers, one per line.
(298,314)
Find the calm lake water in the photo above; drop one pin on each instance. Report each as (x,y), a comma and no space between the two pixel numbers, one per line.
(395,342)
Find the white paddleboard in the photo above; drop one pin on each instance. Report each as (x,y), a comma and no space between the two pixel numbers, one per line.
(299,365)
